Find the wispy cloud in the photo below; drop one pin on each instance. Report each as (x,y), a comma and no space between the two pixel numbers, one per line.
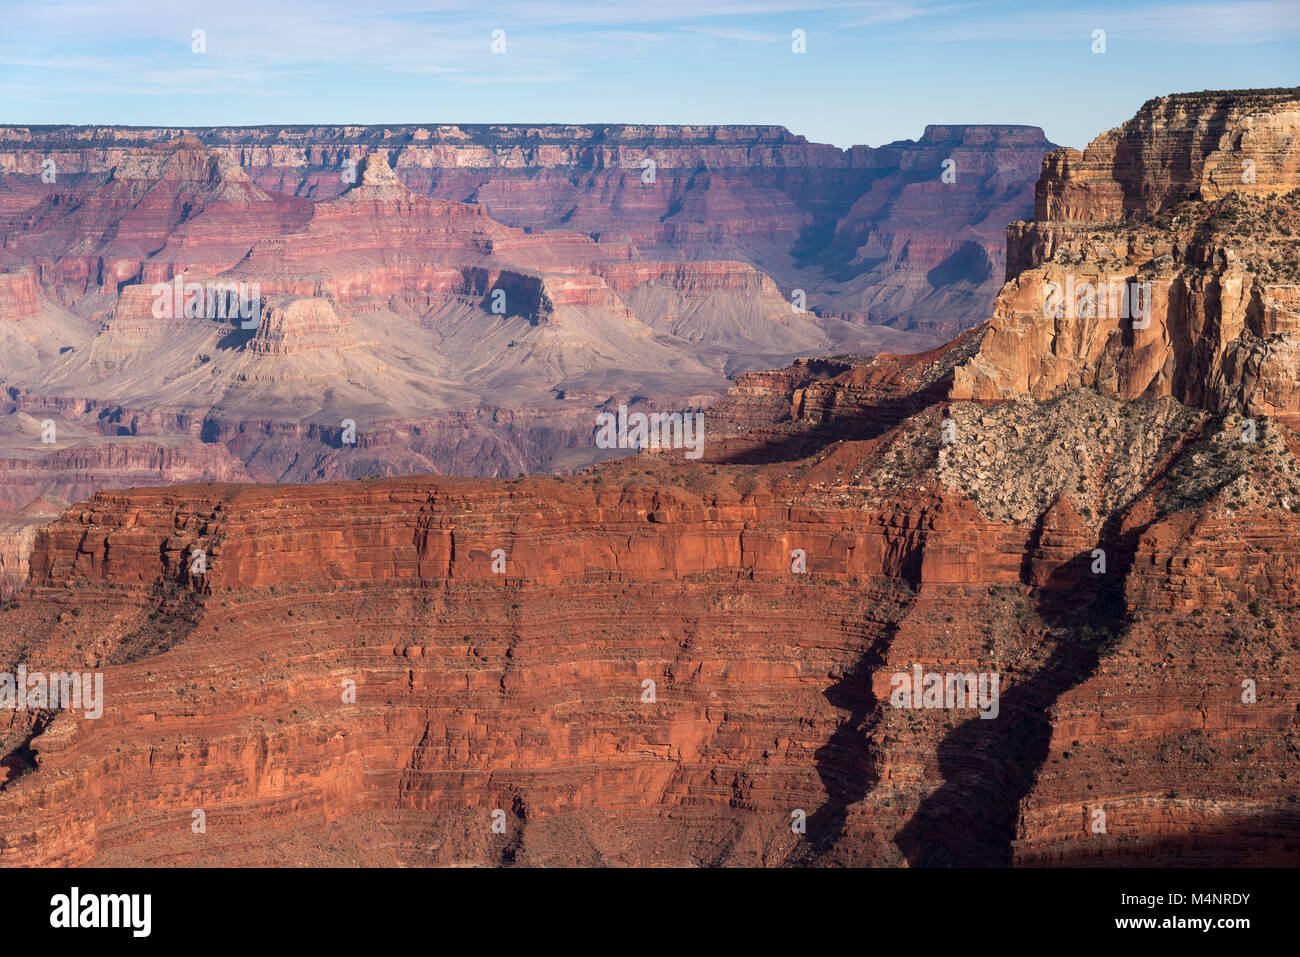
(902,12)
(697,61)
(1209,24)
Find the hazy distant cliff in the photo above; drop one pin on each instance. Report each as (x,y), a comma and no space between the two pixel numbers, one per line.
(868,232)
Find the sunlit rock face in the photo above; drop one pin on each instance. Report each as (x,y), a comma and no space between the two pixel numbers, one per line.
(1163,262)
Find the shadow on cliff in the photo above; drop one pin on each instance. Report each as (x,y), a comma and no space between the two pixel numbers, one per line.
(21,759)
(868,423)
(989,765)
(175,613)
(791,447)
(1262,840)
(846,763)
(236,338)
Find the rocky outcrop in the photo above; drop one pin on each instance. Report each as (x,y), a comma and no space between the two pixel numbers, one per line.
(298,325)
(1198,146)
(158,212)
(18,296)
(1153,273)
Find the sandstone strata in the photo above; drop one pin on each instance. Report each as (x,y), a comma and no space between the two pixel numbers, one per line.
(1116,538)
(869,233)
(1150,212)
(520,686)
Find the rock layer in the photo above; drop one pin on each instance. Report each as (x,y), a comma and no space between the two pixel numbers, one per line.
(500,637)
(670,661)
(870,233)
(172,298)
(1153,272)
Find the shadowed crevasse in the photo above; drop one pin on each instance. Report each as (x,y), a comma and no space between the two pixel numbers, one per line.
(846,763)
(970,821)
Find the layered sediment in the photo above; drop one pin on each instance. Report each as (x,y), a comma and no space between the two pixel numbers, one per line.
(668,661)
(170,297)
(500,637)
(871,233)
(1163,262)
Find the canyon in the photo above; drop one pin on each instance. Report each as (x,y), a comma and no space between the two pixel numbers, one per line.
(875,233)
(454,300)
(661,661)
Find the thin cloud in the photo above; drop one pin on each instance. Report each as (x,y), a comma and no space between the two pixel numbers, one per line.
(1250,21)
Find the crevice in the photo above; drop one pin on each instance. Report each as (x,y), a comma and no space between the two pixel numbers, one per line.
(989,766)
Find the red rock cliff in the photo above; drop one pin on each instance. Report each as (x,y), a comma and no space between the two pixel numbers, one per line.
(668,661)
(1163,263)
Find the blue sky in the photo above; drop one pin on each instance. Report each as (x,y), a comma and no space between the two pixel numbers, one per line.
(873,71)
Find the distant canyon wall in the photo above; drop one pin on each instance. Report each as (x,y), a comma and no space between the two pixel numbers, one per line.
(873,233)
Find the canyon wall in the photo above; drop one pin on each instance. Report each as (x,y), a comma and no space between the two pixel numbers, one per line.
(468,298)
(451,342)
(461,673)
(500,637)
(1163,262)
(872,233)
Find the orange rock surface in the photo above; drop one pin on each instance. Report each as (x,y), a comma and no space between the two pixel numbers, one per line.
(667,661)
(513,680)
(1163,262)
